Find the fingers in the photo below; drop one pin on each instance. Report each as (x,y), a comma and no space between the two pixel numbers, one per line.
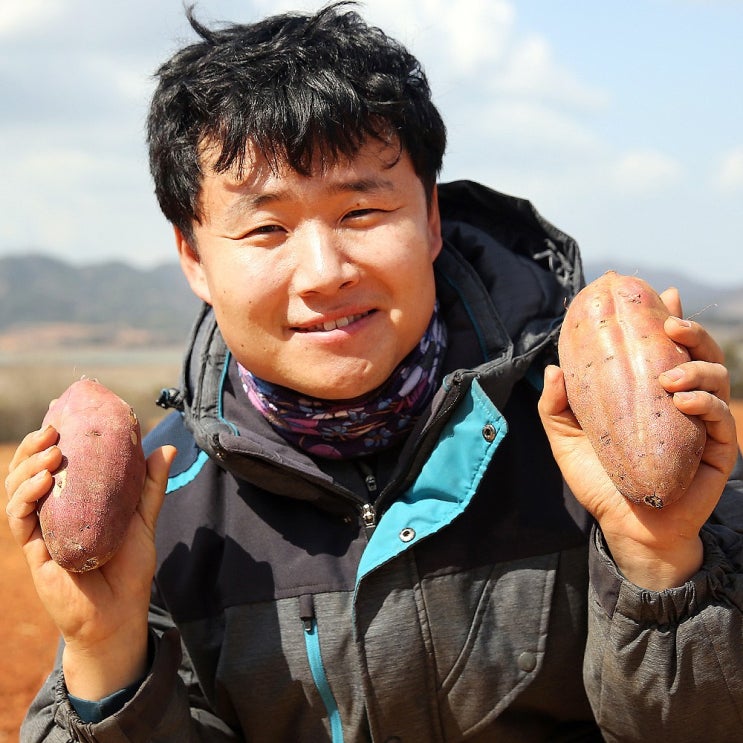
(700,344)
(34,442)
(158,467)
(29,474)
(554,399)
(716,415)
(29,480)
(671,299)
(702,389)
(698,375)
(557,418)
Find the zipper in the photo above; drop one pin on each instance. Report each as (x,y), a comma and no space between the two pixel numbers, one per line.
(369,517)
(368,512)
(418,453)
(314,657)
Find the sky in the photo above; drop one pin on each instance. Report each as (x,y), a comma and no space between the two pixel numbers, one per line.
(621,120)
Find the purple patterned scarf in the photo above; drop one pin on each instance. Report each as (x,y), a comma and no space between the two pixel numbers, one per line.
(341,429)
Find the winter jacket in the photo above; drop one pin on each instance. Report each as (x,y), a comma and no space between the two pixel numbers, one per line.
(448,589)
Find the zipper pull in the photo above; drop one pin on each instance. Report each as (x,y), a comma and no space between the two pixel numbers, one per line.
(307,611)
(369,517)
(371,484)
(370,480)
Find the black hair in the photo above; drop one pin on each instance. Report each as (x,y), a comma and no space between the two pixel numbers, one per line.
(297,86)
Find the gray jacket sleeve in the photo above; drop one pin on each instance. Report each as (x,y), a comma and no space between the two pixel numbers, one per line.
(669,665)
(164,708)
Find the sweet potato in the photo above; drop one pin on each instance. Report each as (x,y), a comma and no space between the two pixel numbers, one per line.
(96,489)
(612,349)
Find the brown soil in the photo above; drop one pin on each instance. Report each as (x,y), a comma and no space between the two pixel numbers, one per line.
(28,639)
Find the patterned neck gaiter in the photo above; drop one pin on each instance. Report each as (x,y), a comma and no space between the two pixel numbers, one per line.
(342,429)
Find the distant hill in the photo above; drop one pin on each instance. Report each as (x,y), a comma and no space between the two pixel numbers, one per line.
(45,300)
(106,303)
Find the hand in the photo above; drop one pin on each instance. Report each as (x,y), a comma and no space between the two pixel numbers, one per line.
(101,614)
(654,549)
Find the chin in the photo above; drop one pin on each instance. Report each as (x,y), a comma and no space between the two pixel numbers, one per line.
(344,388)
(335,393)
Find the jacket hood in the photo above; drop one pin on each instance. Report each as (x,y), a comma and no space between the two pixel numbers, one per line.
(513,274)
(504,278)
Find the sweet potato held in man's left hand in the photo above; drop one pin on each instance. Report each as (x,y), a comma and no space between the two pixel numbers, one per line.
(612,350)
(97,488)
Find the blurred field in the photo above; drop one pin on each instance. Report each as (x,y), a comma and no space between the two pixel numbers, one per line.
(28,640)
(29,380)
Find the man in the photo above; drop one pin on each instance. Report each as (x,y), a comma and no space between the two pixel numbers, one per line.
(369,531)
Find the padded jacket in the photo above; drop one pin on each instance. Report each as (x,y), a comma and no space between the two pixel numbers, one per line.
(448,589)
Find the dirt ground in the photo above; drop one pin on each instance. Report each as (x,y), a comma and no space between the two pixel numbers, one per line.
(28,640)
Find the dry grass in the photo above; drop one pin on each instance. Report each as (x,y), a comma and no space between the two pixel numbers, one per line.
(28,382)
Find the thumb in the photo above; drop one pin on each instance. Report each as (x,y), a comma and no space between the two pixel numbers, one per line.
(672,300)
(554,399)
(156,481)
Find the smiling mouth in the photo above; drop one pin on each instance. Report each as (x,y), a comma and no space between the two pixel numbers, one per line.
(326,327)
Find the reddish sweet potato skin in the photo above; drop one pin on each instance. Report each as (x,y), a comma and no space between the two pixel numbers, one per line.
(96,489)
(612,349)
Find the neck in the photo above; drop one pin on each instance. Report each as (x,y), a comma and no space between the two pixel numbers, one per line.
(340,429)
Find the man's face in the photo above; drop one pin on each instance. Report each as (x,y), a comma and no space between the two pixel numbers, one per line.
(322,284)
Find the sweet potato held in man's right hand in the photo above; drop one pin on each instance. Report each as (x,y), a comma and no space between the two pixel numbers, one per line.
(612,349)
(97,488)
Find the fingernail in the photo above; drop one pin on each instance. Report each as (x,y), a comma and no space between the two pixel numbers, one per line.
(683,396)
(682,323)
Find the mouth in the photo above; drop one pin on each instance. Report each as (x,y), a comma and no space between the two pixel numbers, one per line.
(328,325)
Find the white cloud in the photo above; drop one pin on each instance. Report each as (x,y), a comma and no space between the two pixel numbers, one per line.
(646,172)
(530,69)
(124,82)
(476,43)
(472,34)
(19,15)
(730,174)
(528,126)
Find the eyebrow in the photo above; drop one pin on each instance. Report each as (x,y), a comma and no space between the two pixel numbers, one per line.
(254,201)
(363,185)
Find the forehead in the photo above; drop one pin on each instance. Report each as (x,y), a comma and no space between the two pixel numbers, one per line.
(376,166)
(252,162)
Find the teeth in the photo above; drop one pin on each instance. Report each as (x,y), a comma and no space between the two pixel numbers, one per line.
(341,322)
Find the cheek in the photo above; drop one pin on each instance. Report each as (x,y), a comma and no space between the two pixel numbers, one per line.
(242,286)
(405,250)
(251,311)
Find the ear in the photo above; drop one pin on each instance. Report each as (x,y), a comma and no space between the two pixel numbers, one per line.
(192,267)
(434,225)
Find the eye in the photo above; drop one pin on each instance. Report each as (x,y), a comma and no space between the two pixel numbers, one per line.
(365,215)
(265,229)
(265,234)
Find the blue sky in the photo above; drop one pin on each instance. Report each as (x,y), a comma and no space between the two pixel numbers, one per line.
(621,121)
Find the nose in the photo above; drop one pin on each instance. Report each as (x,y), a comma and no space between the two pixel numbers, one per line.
(321,266)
